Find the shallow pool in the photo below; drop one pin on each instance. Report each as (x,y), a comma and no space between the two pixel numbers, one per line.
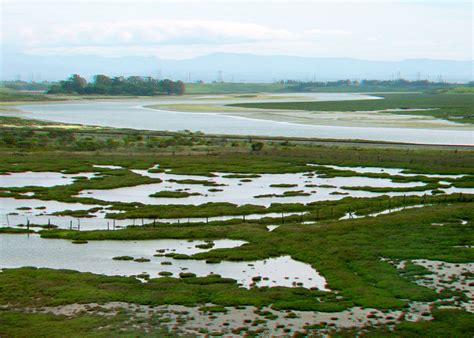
(96,257)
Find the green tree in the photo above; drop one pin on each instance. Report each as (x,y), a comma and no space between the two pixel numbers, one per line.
(77,83)
(102,84)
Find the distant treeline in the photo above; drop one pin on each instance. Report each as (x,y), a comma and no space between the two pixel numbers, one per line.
(400,83)
(104,85)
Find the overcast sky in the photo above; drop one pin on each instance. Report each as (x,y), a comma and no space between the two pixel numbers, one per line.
(375,30)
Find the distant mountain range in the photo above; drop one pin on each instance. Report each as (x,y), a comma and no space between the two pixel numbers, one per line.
(232,68)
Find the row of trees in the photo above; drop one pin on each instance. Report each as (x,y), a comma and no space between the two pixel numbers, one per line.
(104,85)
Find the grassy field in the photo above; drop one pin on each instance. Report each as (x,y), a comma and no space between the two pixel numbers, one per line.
(454,107)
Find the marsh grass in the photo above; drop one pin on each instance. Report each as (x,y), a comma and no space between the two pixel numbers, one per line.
(455,107)
(10,230)
(173,194)
(14,323)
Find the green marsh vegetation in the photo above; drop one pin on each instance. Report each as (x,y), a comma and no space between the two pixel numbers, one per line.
(288,193)
(35,135)
(183,152)
(468,89)
(241,161)
(65,193)
(10,230)
(20,122)
(173,194)
(78,213)
(313,211)
(25,86)
(198,182)
(233,88)
(453,106)
(123,323)
(340,86)
(347,253)
(427,187)
(283,185)
(12,95)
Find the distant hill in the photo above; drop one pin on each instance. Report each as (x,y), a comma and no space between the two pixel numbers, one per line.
(232,68)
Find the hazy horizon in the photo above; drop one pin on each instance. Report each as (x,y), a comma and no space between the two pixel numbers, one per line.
(386,31)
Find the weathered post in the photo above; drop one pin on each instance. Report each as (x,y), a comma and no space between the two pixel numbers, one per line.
(78,224)
(114,224)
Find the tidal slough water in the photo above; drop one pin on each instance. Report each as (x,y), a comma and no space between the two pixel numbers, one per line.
(132,114)
(257,189)
(97,257)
